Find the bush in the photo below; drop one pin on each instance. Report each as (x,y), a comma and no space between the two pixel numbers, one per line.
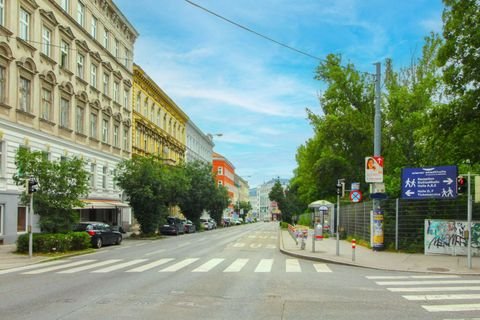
(305,219)
(54,242)
(283,225)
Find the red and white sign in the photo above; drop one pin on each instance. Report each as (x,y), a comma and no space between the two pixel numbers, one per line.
(356,196)
(373,169)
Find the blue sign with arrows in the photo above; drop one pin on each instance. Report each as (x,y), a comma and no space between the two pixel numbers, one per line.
(429,183)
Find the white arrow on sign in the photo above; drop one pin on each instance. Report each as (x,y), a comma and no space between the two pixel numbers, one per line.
(409,193)
(448,181)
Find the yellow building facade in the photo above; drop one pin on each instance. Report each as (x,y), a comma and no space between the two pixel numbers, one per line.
(159,125)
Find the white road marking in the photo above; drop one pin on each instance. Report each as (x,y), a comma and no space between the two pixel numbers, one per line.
(265,265)
(412,277)
(119,266)
(414,283)
(322,267)
(441,297)
(33,266)
(90,266)
(236,266)
(209,265)
(63,266)
(179,265)
(238,245)
(150,265)
(155,252)
(453,307)
(255,245)
(271,246)
(292,265)
(434,289)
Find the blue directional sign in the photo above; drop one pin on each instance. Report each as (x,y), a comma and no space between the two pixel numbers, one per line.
(429,183)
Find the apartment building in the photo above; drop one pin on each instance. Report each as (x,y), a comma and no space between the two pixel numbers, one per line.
(65,89)
(224,172)
(199,145)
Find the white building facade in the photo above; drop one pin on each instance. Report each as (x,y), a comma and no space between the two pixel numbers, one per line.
(264,204)
(199,145)
(65,89)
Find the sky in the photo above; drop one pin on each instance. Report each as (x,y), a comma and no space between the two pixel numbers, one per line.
(254,91)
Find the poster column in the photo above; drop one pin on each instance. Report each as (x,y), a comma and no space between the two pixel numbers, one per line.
(378,239)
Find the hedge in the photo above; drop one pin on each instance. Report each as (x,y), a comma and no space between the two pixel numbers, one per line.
(54,242)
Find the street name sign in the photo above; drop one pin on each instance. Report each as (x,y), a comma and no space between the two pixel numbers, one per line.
(429,183)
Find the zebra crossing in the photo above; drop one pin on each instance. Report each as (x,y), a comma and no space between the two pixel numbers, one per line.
(436,293)
(169,265)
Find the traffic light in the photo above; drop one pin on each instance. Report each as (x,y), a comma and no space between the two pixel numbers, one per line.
(341,189)
(461,184)
(32,185)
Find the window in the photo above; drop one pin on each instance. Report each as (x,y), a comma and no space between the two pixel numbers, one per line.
(2,209)
(220,182)
(93,125)
(21,219)
(116,93)
(125,138)
(137,104)
(2,144)
(3,84)
(220,171)
(80,120)
(80,66)
(93,76)
(64,48)
(25,95)
(24,25)
(145,108)
(2,23)
(64,112)
(46,106)
(104,177)
(159,117)
(106,83)
(65,4)
(116,49)
(127,58)
(137,138)
(115,136)
(126,98)
(81,14)
(93,27)
(105,130)
(105,38)
(92,175)
(46,41)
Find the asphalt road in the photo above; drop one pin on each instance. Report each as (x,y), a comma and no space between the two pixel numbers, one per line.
(232,273)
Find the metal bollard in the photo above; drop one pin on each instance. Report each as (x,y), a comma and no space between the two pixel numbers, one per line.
(354,244)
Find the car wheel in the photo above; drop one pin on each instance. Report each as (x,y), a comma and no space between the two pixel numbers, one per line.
(98,243)
(119,240)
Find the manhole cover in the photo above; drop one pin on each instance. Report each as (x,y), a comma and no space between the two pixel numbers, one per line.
(438,269)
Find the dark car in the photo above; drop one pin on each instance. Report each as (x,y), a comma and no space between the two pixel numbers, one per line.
(100,233)
(189,226)
(173,226)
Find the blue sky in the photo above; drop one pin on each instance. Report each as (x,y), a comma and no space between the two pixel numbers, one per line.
(253,91)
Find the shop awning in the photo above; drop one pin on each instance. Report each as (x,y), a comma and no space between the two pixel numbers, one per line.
(103,204)
(320,203)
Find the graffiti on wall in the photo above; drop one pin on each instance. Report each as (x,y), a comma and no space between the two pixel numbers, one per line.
(450,237)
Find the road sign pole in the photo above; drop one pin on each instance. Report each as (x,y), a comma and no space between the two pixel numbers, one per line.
(469,224)
(377,142)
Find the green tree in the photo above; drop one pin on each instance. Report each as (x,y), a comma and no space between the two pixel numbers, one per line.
(218,203)
(277,194)
(61,186)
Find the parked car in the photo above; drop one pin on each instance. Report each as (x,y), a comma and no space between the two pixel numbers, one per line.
(100,233)
(173,226)
(189,226)
(207,225)
(213,222)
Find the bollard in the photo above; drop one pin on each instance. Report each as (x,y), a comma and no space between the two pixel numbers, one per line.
(354,244)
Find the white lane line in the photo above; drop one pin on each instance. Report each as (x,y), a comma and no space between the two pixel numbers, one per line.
(120,266)
(63,266)
(412,277)
(322,267)
(265,265)
(179,265)
(453,307)
(90,266)
(238,245)
(209,265)
(236,266)
(292,265)
(33,266)
(150,265)
(155,252)
(441,297)
(416,283)
(434,289)
(271,246)
(255,245)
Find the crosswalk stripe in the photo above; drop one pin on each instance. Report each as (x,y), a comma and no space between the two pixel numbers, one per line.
(239,245)
(441,297)
(150,265)
(271,246)
(209,265)
(322,267)
(90,266)
(179,265)
(292,265)
(33,266)
(434,289)
(63,266)
(415,283)
(265,265)
(236,266)
(412,277)
(453,307)
(119,266)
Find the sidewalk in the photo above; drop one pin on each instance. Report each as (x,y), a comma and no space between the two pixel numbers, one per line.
(326,249)
(10,259)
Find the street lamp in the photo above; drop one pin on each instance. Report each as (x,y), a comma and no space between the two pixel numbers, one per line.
(211,135)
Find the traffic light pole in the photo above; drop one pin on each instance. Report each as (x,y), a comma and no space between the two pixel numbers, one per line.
(30,224)
(469,224)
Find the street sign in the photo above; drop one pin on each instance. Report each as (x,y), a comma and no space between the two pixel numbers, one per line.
(429,183)
(373,169)
(356,196)
(355,186)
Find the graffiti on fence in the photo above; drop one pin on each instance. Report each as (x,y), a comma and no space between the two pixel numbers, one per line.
(450,237)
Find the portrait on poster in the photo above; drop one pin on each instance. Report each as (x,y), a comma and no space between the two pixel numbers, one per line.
(373,169)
